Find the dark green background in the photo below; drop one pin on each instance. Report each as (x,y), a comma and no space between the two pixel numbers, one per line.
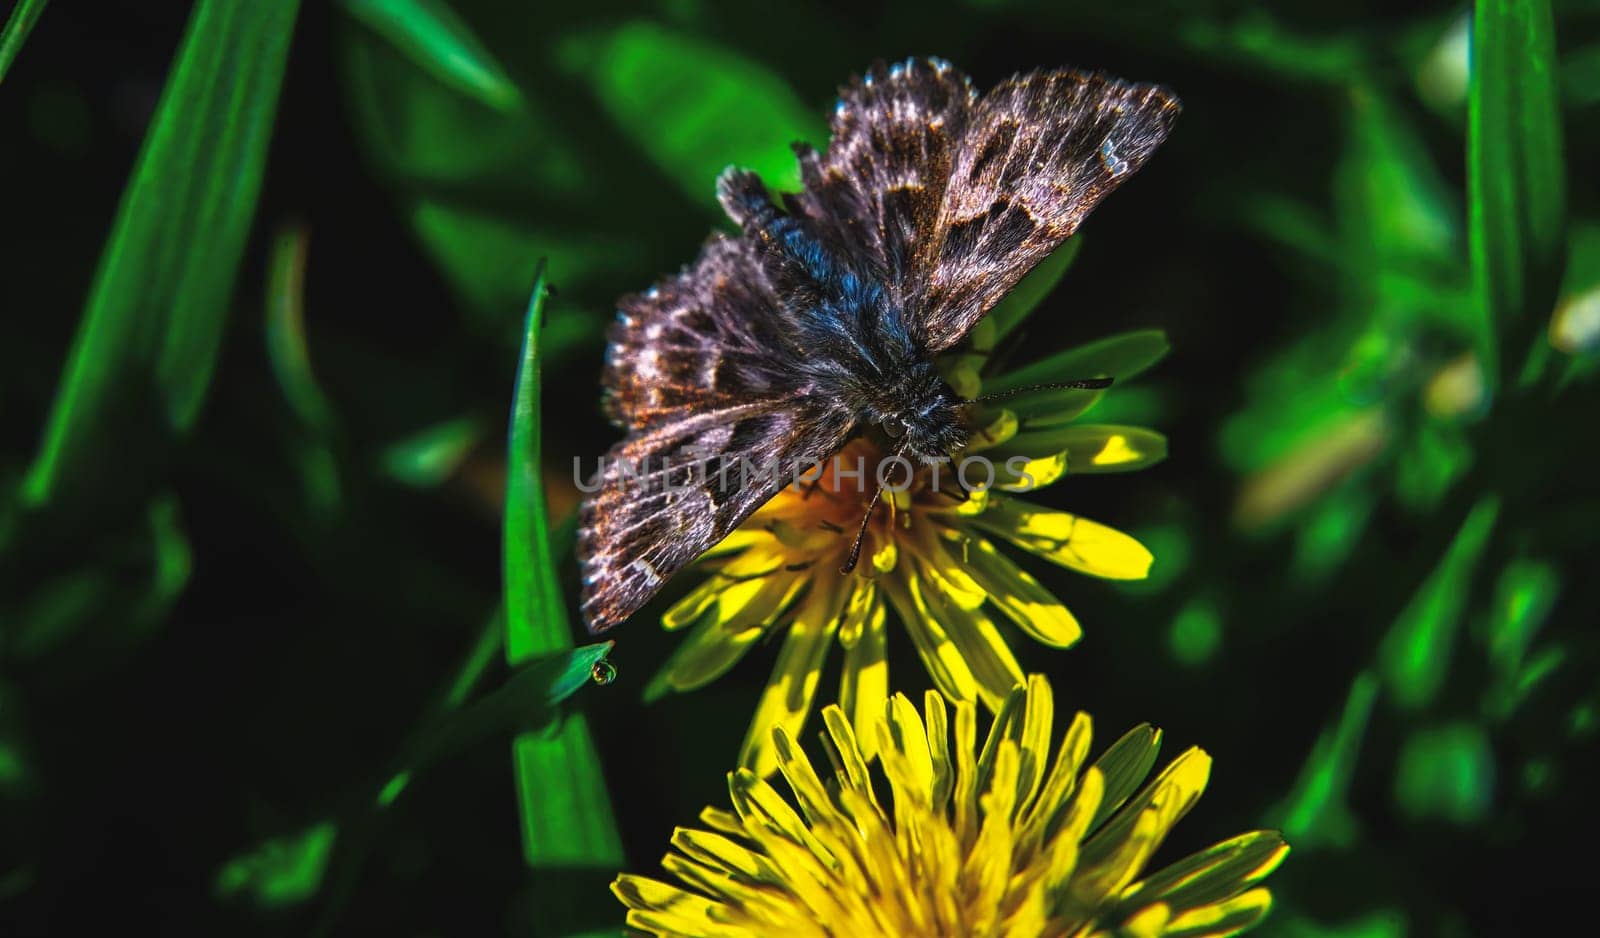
(214,637)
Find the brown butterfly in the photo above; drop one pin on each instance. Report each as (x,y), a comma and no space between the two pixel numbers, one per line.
(821,320)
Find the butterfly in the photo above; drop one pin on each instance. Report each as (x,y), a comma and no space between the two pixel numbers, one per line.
(820,321)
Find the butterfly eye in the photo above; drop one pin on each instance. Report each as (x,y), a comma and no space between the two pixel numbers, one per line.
(894,427)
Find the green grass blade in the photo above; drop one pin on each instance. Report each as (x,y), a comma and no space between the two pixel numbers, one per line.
(433,36)
(1516,179)
(1031,290)
(286,330)
(159,300)
(561,792)
(536,616)
(1316,812)
(433,454)
(1122,357)
(525,702)
(16,30)
(1414,657)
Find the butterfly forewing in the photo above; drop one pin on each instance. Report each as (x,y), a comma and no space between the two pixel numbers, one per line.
(1038,153)
(894,139)
(701,373)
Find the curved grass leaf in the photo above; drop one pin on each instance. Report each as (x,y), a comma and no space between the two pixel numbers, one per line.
(1316,812)
(434,37)
(149,336)
(1516,179)
(1120,356)
(15,33)
(431,455)
(286,330)
(524,703)
(561,791)
(1031,290)
(282,871)
(1415,655)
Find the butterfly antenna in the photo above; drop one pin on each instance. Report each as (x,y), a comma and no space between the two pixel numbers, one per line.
(1082,384)
(866,518)
(861,532)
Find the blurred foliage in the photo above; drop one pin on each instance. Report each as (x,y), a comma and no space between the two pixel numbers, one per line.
(277,601)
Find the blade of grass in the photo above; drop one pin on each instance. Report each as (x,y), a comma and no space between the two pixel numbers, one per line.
(1414,657)
(286,330)
(1516,178)
(527,700)
(566,813)
(16,30)
(154,318)
(1031,290)
(536,617)
(433,36)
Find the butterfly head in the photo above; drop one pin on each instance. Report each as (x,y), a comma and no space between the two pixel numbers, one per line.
(921,417)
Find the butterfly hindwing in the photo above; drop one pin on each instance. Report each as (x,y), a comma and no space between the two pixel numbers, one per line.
(704,339)
(701,373)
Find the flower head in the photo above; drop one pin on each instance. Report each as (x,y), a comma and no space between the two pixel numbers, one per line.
(1002,841)
(931,551)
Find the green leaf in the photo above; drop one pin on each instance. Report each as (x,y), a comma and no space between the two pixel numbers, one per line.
(16,30)
(1256,41)
(1446,772)
(1382,923)
(1125,765)
(536,616)
(1524,596)
(1031,290)
(110,605)
(561,827)
(1196,633)
(149,335)
(694,107)
(286,330)
(1089,448)
(1332,530)
(283,871)
(1316,813)
(434,37)
(1394,206)
(561,792)
(525,702)
(489,259)
(1415,655)
(430,456)
(1516,179)
(1121,357)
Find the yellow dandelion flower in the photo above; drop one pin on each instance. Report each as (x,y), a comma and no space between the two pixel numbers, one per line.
(930,556)
(1000,841)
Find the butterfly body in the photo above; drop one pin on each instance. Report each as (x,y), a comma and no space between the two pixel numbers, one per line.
(822,319)
(856,347)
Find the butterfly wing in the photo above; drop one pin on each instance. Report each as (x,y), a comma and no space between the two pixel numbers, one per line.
(952,197)
(701,373)
(893,142)
(1039,153)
